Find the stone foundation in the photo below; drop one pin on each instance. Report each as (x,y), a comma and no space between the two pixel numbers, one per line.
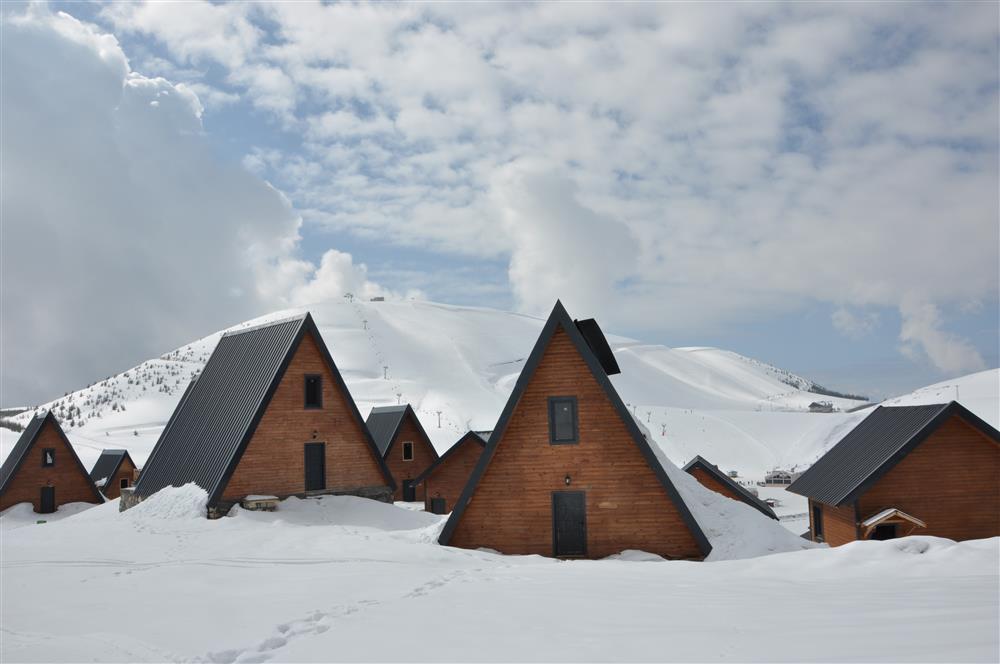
(128,499)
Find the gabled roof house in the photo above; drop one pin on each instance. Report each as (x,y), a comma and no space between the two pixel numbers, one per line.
(566,471)
(927,470)
(113,472)
(404,446)
(442,483)
(43,469)
(269,414)
(709,476)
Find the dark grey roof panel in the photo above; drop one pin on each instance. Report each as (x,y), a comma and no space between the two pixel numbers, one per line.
(748,498)
(218,409)
(20,449)
(384,422)
(107,464)
(873,447)
(598,343)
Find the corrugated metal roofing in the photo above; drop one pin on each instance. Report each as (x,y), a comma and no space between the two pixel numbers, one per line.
(383,423)
(713,470)
(219,409)
(21,447)
(598,344)
(873,447)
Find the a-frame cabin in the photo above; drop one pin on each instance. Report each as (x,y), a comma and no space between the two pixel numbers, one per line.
(442,483)
(405,446)
(567,472)
(710,477)
(44,470)
(270,414)
(113,472)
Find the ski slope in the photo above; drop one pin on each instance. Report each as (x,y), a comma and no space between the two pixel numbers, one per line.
(457,366)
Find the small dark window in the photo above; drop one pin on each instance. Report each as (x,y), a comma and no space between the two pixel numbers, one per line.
(884,531)
(817,523)
(48,457)
(407,451)
(123,483)
(562,420)
(314,391)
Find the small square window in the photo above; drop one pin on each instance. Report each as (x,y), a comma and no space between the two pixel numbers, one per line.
(562,421)
(48,457)
(314,391)
(123,483)
(407,451)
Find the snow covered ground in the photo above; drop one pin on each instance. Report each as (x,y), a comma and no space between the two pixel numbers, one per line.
(347,579)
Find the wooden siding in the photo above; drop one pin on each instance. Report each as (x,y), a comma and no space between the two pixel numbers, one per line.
(708,481)
(951,481)
(72,484)
(113,487)
(274,460)
(423,456)
(449,478)
(626,506)
(839,523)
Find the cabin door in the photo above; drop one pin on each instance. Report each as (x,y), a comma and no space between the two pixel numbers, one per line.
(315,466)
(409,491)
(569,523)
(438,506)
(48,500)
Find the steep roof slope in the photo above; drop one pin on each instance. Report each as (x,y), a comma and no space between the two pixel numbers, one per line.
(471,437)
(722,478)
(220,411)
(108,463)
(873,447)
(24,444)
(384,423)
(559,318)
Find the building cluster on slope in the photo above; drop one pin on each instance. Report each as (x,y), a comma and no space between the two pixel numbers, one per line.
(567,471)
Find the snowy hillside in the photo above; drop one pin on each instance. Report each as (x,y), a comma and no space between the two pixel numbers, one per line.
(460,364)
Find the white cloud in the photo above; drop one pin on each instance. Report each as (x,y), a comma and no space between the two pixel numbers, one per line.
(855,325)
(123,233)
(922,336)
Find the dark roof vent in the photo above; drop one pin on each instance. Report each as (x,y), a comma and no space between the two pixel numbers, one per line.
(594,337)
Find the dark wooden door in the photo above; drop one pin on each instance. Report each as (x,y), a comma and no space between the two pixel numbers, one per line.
(48,501)
(569,523)
(315,466)
(438,506)
(409,491)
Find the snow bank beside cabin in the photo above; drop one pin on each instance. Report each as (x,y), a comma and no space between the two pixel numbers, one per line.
(734,529)
(173,502)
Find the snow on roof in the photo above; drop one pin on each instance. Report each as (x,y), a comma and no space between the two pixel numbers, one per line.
(890,512)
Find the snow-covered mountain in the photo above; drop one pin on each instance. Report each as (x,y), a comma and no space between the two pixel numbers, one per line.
(457,366)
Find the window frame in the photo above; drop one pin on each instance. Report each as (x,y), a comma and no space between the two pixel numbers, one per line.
(405,443)
(819,534)
(552,403)
(45,452)
(123,483)
(305,392)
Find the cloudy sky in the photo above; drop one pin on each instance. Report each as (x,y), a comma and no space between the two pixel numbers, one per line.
(812,185)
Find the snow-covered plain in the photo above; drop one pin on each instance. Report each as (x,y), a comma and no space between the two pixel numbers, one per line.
(462,362)
(348,579)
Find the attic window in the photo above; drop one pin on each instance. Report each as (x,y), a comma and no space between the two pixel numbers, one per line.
(314,391)
(563,428)
(407,451)
(123,483)
(48,457)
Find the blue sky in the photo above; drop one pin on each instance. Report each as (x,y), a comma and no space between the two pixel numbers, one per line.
(812,185)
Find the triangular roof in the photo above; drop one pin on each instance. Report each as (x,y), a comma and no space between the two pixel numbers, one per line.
(470,437)
(874,447)
(215,419)
(560,319)
(384,423)
(27,440)
(108,464)
(713,470)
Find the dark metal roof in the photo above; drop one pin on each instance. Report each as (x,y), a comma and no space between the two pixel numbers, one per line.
(560,319)
(218,414)
(27,440)
(713,470)
(598,343)
(874,447)
(384,423)
(468,437)
(107,465)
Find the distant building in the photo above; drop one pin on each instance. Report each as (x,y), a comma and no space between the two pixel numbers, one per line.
(377,298)
(928,470)
(404,445)
(44,470)
(113,472)
(780,477)
(711,477)
(821,407)
(442,483)
(269,415)
(567,472)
